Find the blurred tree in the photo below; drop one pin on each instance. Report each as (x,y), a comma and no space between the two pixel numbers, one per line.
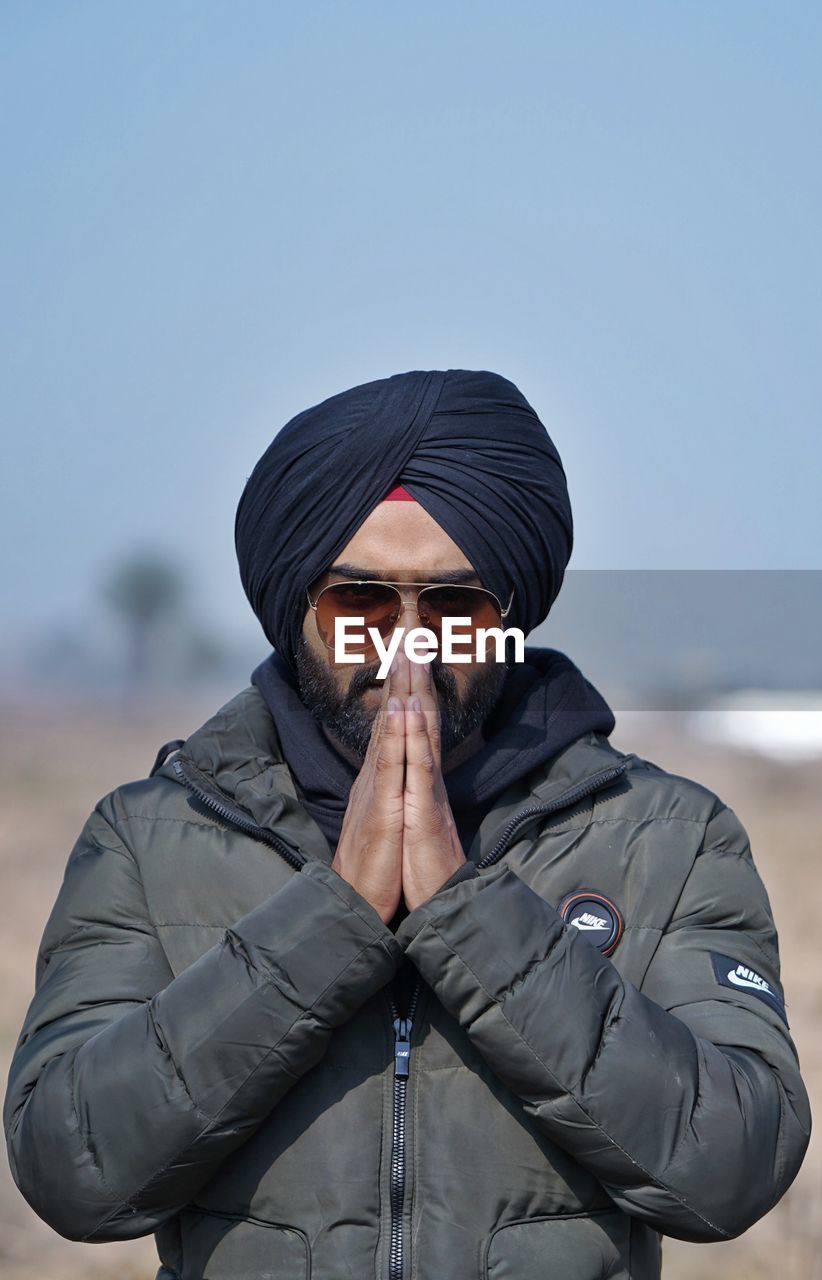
(145,591)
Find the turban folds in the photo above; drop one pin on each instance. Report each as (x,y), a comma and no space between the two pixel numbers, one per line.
(465,444)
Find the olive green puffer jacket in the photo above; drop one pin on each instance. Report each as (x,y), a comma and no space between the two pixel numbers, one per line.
(215,1052)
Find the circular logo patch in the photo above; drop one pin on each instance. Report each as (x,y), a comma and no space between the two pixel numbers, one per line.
(595,916)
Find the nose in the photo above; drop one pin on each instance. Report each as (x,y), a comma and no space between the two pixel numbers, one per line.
(408,616)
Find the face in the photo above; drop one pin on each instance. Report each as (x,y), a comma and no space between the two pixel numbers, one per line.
(345,697)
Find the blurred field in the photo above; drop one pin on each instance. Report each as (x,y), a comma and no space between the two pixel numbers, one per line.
(55,765)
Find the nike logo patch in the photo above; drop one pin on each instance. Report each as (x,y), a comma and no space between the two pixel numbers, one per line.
(742,977)
(588,921)
(734,973)
(593,913)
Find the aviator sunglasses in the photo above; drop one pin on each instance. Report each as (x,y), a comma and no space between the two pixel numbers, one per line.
(380,604)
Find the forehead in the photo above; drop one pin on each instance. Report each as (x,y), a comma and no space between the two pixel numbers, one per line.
(401,537)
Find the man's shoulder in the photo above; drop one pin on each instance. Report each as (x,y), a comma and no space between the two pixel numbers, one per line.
(130,806)
(235,739)
(641,791)
(659,792)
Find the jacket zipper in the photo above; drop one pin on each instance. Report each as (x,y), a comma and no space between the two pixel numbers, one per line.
(294,858)
(402,1060)
(595,783)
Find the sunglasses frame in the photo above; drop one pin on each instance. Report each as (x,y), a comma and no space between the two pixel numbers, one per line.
(418,586)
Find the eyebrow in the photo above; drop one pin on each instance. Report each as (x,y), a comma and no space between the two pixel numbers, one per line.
(449,577)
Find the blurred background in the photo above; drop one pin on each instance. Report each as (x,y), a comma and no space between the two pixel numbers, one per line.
(217,214)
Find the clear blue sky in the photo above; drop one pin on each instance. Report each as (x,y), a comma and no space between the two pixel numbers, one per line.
(215,214)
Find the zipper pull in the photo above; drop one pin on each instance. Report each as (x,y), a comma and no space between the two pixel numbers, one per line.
(402,1045)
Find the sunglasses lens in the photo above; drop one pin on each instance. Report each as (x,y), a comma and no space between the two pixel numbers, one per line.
(437,603)
(378,605)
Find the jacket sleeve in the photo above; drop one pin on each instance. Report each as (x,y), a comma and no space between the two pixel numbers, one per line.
(684,1099)
(128,1086)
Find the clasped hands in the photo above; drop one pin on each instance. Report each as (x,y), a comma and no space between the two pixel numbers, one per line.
(399,838)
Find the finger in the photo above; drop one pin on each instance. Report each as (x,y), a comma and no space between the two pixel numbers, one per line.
(421,762)
(377,726)
(399,675)
(421,679)
(422,684)
(386,689)
(389,755)
(379,722)
(385,694)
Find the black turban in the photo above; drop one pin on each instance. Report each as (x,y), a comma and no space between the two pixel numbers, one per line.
(466,445)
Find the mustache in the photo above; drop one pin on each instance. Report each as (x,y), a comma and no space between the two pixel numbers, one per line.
(345,715)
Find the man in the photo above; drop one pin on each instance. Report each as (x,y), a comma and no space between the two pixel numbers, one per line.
(419,977)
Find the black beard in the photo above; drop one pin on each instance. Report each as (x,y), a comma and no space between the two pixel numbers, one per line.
(345,717)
